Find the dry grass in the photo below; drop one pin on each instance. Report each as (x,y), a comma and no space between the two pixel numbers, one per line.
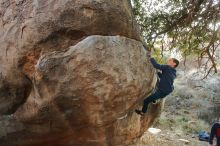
(164,139)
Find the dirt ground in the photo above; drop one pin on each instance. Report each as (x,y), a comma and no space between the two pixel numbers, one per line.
(187,111)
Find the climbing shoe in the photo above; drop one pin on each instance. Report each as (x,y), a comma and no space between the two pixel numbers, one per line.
(139,112)
(154,102)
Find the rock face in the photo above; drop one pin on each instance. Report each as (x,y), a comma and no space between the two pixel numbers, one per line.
(72,72)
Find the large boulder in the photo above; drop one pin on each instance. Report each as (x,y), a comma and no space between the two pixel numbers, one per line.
(72,72)
(29,29)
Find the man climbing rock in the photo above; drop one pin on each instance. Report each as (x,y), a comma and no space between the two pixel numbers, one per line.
(165,83)
(215,132)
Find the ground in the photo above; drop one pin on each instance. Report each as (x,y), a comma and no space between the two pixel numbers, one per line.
(189,109)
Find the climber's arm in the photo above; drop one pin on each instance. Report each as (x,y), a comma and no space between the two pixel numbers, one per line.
(157,65)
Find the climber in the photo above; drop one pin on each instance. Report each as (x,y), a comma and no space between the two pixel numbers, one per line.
(215,132)
(165,83)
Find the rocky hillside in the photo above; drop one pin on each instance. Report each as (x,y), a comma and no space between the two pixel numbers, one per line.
(71,73)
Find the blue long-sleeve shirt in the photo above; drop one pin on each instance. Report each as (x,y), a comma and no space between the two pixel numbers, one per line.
(215,132)
(166,77)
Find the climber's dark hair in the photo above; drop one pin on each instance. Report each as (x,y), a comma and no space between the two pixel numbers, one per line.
(176,61)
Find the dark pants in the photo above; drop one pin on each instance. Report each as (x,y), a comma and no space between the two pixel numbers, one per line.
(215,132)
(158,94)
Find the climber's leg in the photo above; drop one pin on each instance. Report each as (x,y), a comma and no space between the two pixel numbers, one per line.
(152,98)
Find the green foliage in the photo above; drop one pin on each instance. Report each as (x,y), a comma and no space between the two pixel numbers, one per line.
(192,27)
(159,57)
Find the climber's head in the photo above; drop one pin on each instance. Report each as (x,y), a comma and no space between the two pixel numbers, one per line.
(173,62)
